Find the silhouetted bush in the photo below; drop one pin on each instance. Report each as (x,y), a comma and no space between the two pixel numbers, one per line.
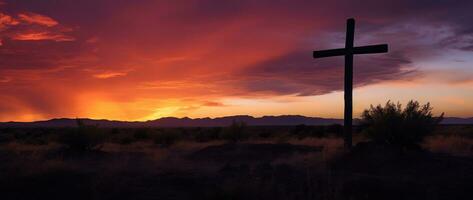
(393,125)
(20,134)
(334,129)
(208,134)
(126,141)
(6,138)
(29,136)
(300,131)
(36,139)
(166,138)
(265,134)
(84,137)
(141,134)
(303,131)
(318,131)
(235,132)
(115,131)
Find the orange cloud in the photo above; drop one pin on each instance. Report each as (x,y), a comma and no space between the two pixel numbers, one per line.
(7,20)
(25,28)
(58,37)
(109,75)
(33,18)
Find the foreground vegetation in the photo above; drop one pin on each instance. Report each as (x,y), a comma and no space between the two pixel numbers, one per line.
(403,128)
(399,153)
(235,162)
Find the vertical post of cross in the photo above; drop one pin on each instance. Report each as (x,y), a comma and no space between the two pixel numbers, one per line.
(348,112)
(348,52)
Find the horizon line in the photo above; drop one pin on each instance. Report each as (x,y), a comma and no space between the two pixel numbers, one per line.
(195,118)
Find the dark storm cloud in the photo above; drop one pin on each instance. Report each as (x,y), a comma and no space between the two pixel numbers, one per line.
(298,73)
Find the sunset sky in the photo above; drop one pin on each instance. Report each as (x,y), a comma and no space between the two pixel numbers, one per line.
(141,60)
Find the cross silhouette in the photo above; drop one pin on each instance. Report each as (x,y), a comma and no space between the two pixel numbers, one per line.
(348,52)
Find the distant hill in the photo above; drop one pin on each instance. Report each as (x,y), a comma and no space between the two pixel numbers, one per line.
(457,120)
(283,120)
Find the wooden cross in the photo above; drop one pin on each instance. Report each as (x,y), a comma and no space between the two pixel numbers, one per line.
(348,52)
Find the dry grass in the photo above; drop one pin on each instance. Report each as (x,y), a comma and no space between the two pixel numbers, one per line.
(144,167)
(331,147)
(189,146)
(21,147)
(455,145)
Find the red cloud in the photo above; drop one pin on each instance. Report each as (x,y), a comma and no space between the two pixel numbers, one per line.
(32,27)
(58,37)
(33,18)
(7,20)
(109,75)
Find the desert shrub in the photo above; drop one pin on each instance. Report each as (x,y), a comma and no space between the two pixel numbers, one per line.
(303,131)
(334,129)
(36,139)
(465,131)
(6,138)
(235,132)
(84,137)
(318,131)
(208,134)
(300,131)
(283,137)
(265,134)
(394,125)
(115,131)
(141,134)
(166,138)
(29,136)
(20,134)
(126,141)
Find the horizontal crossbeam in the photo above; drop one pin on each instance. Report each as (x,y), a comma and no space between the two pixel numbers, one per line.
(329,53)
(380,48)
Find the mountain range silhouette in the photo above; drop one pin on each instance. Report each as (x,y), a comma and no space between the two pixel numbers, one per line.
(282,120)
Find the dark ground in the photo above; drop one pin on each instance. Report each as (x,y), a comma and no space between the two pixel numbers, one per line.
(307,168)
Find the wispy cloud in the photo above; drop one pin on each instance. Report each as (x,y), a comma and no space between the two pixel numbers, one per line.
(58,37)
(33,27)
(7,20)
(213,103)
(107,75)
(34,18)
